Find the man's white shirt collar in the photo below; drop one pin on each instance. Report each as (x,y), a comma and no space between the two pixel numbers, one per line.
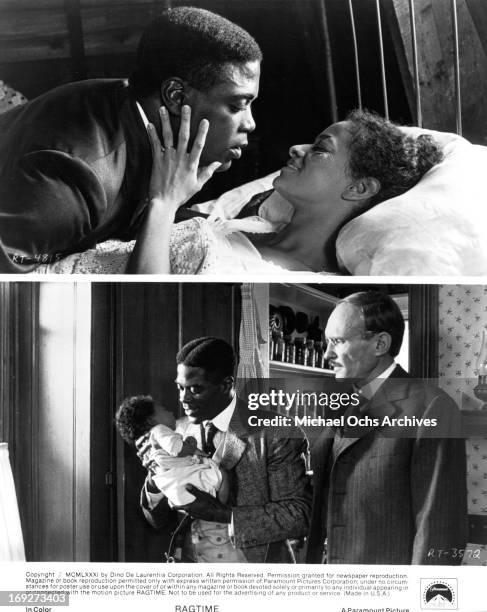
(222,420)
(143,115)
(371,388)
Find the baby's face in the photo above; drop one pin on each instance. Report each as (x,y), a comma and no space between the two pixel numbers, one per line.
(164,417)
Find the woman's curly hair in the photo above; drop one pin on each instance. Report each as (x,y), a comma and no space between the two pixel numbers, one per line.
(379,149)
(134,417)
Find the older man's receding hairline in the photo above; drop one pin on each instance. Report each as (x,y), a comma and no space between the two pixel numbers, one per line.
(355,320)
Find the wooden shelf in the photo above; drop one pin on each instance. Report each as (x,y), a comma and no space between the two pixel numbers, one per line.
(281,367)
(302,297)
(314,303)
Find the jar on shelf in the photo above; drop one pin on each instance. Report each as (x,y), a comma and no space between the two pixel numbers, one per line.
(301,351)
(310,357)
(279,346)
(319,354)
(290,350)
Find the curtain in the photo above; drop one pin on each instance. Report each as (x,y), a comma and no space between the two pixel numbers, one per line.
(251,364)
(11,540)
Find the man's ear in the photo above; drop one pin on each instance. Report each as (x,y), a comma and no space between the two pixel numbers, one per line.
(361,189)
(173,94)
(227,383)
(383,342)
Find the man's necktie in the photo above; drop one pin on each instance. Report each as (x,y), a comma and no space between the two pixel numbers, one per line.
(210,431)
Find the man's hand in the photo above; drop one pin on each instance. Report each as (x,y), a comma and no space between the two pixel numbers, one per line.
(206,507)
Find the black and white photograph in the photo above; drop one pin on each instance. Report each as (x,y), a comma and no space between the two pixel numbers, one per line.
(305,423)
(261,136)
(109,391)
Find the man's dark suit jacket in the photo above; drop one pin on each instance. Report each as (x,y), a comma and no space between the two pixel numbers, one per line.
(388,499)
(270,492)
(74,170)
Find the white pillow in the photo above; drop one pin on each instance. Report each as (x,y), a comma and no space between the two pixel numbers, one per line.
(437,228)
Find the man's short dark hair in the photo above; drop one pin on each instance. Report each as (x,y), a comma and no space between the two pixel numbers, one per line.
(134,417)
(193,44)
(381,314)
(214,355)
(379,149)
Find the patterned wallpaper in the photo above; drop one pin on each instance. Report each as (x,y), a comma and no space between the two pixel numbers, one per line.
(462,317)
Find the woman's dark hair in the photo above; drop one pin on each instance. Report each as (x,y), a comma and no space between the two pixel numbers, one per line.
(381,314)
(134,417)
(193,44)
(379,149)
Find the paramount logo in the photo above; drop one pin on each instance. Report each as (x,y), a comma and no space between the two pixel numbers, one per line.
(439,594)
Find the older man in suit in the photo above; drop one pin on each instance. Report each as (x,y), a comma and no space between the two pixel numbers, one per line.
(269,496)
(386,491)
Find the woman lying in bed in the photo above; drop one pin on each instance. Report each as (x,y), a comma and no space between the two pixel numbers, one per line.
(352,166)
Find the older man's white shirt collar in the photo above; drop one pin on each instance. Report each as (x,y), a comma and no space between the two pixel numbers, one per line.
(371,388)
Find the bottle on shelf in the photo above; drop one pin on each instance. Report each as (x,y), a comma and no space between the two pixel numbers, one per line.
(319,354)
(279,346)
(290,350)
(301,351)
(310,357)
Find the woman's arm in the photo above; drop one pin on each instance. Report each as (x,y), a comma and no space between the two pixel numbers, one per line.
(175,178)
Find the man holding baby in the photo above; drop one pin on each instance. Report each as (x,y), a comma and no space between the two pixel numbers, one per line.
(268,497)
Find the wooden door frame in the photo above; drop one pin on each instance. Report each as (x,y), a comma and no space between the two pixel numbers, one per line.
(423,333)
(104,367)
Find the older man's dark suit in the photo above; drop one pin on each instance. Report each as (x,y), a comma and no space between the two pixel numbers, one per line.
(270,495)
(382,498)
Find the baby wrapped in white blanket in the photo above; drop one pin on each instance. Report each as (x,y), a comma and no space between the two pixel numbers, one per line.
(173,462)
